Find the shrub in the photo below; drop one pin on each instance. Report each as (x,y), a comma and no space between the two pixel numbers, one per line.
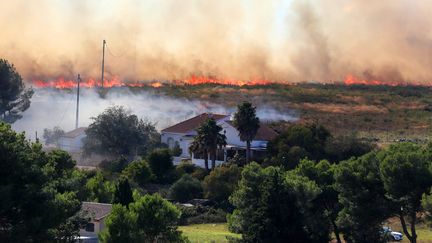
(185,168)
(185,189)
(114,166)
(199,173)
(139,172)
(201,215)
(161,165)
(221,182)
(191,169)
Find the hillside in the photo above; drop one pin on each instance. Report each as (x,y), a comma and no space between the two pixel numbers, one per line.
(376,112)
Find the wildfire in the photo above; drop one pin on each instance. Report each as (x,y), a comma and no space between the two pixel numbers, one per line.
(63,83)
(352,80)
(196,80)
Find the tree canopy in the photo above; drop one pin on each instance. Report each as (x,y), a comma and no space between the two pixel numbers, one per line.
(149,219)
(247,124)
(33,183)
(208,140)
(117,132)
(14,97)
(271,205)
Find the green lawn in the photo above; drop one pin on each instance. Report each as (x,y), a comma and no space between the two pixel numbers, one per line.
(210,233)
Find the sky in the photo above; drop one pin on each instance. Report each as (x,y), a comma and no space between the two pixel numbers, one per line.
(278,40)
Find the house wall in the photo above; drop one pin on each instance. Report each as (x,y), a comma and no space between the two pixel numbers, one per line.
(71,144)
(234,139)
(171,138)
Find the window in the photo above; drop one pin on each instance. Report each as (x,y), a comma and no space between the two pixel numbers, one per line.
(89,227)
(170,142)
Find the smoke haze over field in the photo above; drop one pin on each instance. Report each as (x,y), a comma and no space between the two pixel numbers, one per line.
(52,108)
(280,40)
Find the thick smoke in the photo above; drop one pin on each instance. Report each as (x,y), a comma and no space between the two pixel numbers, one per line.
(280,40)
(52,108)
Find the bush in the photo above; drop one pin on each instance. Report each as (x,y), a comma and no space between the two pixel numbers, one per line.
(199,173)
(221,182)
(185,168)
(201,215)
(161,165)
(191,169)
(185,189)
(149,219)
(114,166)
(139,172)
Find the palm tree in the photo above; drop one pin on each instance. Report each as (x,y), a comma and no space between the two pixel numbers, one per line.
(247,123)
(208,140)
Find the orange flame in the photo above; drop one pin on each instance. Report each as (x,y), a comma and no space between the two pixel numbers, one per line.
(62,83)
(352,80)
(196,80)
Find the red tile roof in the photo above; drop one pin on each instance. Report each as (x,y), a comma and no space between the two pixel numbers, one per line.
(192,123)
(75,133)
(96,211)
(264,132)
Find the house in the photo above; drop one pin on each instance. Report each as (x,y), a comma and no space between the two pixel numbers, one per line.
(97,212)
(72,141)
(183,133)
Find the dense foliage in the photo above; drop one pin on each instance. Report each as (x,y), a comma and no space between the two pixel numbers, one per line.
(185,189)
(117,132)
(161,165)
(139,172)
(221,182)
(33,183)
(149,219)
(14,97)
(270,206)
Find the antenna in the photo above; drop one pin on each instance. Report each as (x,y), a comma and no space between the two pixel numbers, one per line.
(103,61)
(77,106)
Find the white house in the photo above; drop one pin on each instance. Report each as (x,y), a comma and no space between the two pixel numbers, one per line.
(182,134)
(72,141)
(97,212)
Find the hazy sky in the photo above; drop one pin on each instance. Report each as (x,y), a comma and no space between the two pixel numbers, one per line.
(282,40)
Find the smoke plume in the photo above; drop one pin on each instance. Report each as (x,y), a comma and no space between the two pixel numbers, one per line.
(51,108)
(279,40)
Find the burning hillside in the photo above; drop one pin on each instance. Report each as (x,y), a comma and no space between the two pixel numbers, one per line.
(62,83)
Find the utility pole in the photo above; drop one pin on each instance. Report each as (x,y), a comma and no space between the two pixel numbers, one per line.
(77,106)
(103,61)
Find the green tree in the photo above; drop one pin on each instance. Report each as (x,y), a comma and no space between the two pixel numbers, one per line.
(14,97)
(99,189)
(343,147)
(208,140)
(405,172)
(120,226)
(52,136)
(270,204)
(298,142)
(161,165)
(185,189)
(33,183)
(362,196)
(123,192)
(149,219)
(117,132)
(326,203)
(139,172)
(247,124)
(221,183)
